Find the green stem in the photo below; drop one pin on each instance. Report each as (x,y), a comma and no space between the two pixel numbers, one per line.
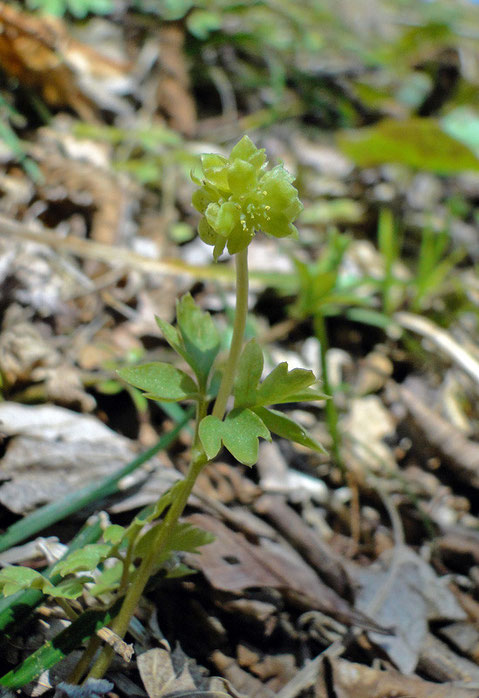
(331,411)
(84,661)
(122,620)
(241,313)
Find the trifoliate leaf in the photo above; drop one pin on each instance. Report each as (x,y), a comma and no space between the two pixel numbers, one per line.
(250,368)
(239,433)
(281,385)
(161,381)
(85,559)
(287,428)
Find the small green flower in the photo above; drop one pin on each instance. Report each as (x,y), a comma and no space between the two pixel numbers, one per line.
(238,196)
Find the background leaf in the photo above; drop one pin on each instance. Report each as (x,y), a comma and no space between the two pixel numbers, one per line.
(418,143)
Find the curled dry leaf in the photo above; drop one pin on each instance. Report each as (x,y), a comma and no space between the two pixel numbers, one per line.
(53,450)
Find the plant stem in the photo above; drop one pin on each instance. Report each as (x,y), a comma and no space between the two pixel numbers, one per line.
(122,620)
(146,568)
(241,312)
(331,411)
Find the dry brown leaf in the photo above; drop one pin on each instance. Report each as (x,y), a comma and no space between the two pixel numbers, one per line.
(165,673)
(174,97)
(41,55)
(233,564)
(350,680)
(53,451)
(413,595)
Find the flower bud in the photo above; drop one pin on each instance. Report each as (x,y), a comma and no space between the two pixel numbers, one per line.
(237,197)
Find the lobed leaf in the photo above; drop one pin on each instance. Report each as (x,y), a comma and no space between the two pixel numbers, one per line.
(114,534)
(85,559)
(250,368)
(161,381)
(108,580)
(239,433)
(201,339)
(184,538)
(282,385)
(287,428)
(70,588)
(13,579)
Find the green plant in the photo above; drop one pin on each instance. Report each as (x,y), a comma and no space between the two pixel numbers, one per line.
(431,273)
(237,196)
(78,8)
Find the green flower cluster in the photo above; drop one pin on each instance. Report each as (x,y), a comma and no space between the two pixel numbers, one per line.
(238,196)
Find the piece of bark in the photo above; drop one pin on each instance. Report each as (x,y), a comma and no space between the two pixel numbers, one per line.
(240,679)
(462,455)
(440,663)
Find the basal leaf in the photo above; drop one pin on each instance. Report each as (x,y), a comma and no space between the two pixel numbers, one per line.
(84,559)
(70,588)
(184,538)
(114,534)
(109,580)
(287,428)
(13,579)
(188,538)
(200,336)
(161,381)
(281,385)
(250,368)
(239,433)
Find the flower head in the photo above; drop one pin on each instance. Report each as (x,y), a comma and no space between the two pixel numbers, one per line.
(238,196)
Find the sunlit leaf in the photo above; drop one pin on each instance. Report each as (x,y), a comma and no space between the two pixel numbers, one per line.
(282,385)
(114,534)
(239,433)
(200,336)
(70,588)
(109,580)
